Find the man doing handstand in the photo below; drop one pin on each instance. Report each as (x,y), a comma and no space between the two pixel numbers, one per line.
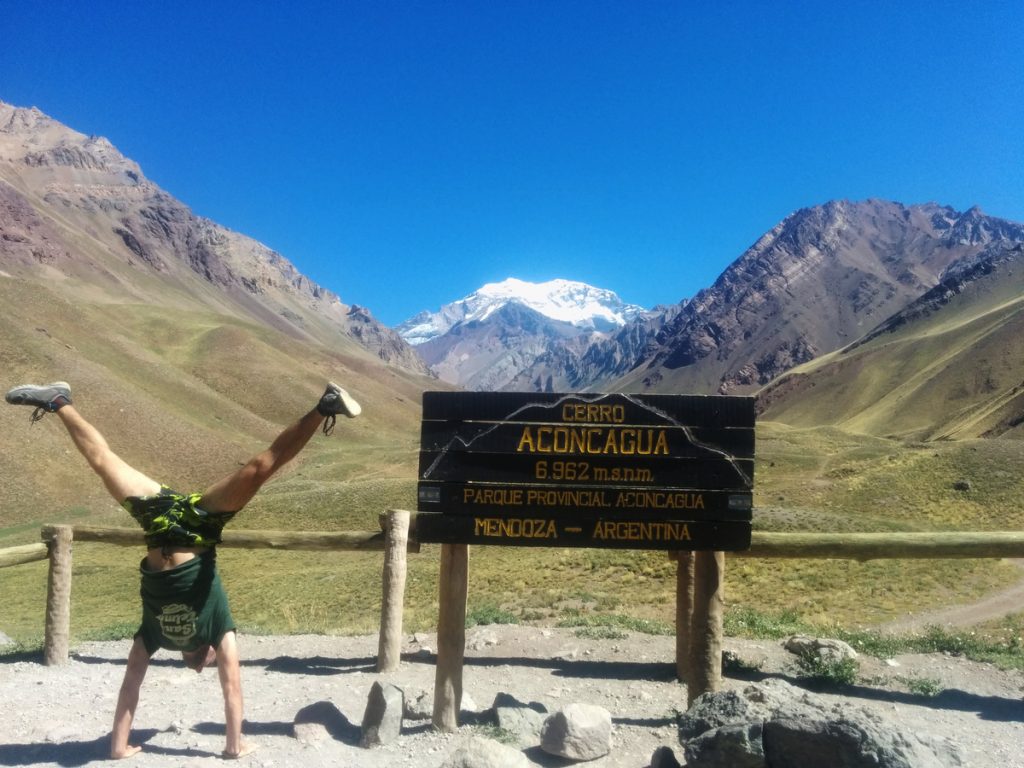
(184,606)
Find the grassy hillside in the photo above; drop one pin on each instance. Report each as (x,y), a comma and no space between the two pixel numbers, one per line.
(821,479)
(951,368)
(185,394)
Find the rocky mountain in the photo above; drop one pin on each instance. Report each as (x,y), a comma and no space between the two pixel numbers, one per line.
(950,365)
(817,281)
(188,344)
(76,213)
(484,341)
(583,361)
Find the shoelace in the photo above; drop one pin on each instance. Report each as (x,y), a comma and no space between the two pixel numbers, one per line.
(329,423)
(38,413)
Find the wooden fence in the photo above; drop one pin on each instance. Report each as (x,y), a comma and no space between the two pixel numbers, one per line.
(699,582)
(700,598)
(393,539)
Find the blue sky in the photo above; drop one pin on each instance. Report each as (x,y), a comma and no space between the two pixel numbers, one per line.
(405,153)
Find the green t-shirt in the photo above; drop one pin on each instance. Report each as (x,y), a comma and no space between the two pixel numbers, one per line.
(185,607)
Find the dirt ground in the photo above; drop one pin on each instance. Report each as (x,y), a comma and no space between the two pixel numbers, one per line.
(993,606)
(60,716)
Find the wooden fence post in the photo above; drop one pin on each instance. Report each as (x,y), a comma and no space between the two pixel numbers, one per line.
(58,597)
(389,649)
(451,636)
(684,615)
(706,629)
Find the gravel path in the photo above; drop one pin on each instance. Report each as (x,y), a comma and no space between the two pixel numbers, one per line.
(60,716)
(995,606)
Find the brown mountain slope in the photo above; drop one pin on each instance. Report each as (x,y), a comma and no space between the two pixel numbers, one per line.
(183,396)
(951,365)
(189,345)
(817,281)
(76,213)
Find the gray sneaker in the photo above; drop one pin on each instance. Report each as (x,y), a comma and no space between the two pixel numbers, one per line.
(47,398)
(336,400)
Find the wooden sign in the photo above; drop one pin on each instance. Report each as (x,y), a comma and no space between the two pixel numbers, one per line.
(546,469)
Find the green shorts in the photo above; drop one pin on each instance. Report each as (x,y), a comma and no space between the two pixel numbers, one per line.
(172,519)
(184,608)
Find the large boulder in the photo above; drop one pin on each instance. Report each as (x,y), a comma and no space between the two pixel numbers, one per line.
(480,752)
(578,732)
(382,720)
(732,746)
(524,721)
(825,649)
(853,739)
(320,721)
(417,704)
(775,725)
(714,710)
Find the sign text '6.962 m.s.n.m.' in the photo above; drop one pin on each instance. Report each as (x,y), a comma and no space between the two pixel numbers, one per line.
(628,471)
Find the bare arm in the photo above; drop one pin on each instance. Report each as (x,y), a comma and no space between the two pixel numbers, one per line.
(128,700)
(229,670)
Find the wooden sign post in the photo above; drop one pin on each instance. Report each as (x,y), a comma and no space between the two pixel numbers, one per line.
(669,472)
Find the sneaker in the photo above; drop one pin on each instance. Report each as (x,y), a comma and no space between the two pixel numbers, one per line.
(46,398)
(336,400)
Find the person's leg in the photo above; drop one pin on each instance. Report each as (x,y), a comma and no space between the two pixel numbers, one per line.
(229,671)
(128,700)
(121,480)
(233,492)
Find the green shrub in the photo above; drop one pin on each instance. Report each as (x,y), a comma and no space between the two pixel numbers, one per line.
(598,632)
(832,673)
(614,621)
(923,686)
(489,614)
(749,622)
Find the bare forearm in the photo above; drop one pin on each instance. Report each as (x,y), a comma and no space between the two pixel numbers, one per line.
(233,722)
(128,701)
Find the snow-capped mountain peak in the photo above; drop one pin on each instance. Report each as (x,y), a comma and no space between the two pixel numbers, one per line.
(579,304)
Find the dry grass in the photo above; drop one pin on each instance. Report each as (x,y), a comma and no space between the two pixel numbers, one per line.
(953,372)
(157,385)
(848,483)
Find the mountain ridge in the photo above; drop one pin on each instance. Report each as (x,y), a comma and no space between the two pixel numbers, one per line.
(485,339)
(75,208)
(83,221)
(945,367)
(816,281)
(579,304)
(187,344)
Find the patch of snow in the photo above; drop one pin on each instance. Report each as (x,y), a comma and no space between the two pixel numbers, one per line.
(582,305)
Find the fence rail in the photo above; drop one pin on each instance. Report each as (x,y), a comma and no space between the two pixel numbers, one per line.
(894,546)
(764,544)
(347,541)
(698,611)
(392,539)
(27,553)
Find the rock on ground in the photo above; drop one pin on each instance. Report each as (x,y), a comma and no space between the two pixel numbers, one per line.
(59,716)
